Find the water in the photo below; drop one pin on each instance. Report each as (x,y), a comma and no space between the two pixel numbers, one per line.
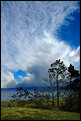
(7,93)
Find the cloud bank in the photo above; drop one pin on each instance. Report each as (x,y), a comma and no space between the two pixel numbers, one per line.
(29,42)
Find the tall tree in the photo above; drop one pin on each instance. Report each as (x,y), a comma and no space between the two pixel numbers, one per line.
(51,86)
(57,73)
(74,77)
(72,102)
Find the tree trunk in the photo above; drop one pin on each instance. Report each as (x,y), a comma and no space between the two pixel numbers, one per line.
(57,95)
(53,99)
(70,86)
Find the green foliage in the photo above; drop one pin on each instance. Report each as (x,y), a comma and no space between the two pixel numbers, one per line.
(20,93)
(10,110)
(72,104)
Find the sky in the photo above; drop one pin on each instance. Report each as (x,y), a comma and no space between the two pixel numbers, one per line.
(33,35)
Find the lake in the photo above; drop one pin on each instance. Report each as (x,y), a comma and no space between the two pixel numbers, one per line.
(6,93)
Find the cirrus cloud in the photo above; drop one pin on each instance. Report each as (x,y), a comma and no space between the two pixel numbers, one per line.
(29,42)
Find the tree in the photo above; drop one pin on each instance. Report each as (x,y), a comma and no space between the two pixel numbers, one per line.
(74,74)
(51,87)
(57,73)
(74,79)
(72,102)
(20,95)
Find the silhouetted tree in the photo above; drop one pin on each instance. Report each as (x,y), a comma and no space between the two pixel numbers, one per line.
(74,76)
(57,73)
(20,95)
(72,102)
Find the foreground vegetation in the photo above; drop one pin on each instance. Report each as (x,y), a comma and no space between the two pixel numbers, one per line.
(23,113)
(11,111)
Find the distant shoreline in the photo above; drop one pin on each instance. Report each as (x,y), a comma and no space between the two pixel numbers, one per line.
(29,88)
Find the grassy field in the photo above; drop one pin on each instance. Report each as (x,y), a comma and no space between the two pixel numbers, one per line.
(29,113)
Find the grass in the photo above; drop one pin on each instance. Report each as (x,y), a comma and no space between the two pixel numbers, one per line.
(23,113)
(28,113)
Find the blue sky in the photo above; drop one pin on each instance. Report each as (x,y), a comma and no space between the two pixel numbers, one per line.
(71,33)
(33,35)
(19,73)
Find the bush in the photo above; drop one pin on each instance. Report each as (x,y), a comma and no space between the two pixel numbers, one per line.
(72,104)
(9,105)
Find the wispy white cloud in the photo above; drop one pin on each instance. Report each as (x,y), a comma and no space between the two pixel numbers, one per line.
(28,38)
(75,57)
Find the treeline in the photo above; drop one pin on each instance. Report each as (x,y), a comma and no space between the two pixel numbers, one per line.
(63,82)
